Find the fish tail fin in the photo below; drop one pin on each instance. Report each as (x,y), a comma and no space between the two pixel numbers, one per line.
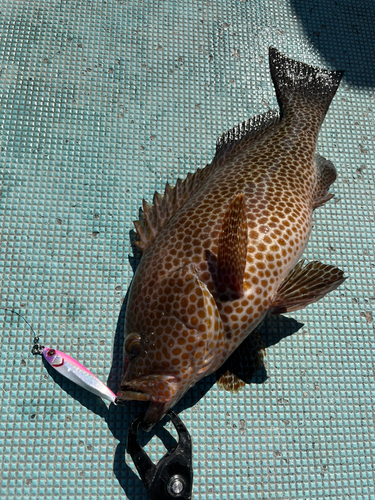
(299,85)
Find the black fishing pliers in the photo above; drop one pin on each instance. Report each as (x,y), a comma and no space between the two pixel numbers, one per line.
(172,477)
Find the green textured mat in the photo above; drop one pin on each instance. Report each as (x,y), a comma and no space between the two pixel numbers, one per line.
(102,102)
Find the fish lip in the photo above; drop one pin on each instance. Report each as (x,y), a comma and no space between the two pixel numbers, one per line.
(127,393)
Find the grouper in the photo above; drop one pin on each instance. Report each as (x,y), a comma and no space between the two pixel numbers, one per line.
(221,249)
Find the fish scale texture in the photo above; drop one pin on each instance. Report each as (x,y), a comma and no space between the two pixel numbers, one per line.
(101,103)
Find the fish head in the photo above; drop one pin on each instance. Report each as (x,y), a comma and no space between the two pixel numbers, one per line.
(172,339)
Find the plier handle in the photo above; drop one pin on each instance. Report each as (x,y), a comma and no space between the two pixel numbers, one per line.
(172,477)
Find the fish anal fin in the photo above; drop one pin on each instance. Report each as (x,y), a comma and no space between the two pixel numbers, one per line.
(306,284)
(154,217)
(232,249)
(318,202)
(327,175)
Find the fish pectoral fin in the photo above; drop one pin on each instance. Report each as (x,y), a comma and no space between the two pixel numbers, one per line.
(232,251)
(242,364)
(327,175)
(306,284)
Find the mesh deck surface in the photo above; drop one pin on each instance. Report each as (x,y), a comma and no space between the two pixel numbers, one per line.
(102,102)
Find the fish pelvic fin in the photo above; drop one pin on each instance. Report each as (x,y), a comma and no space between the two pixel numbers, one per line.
(242,364)
(306,284)
(156,216)
(327,175)
(230,382)
(298,84)
(232,250)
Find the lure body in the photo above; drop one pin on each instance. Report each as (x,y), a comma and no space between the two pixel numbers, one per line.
(77,373)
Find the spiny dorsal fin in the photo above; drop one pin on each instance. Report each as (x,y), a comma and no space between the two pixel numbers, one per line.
(157,215)
(245,130)
(306,284)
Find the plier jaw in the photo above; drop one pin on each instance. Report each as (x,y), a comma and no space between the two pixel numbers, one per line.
(172,477)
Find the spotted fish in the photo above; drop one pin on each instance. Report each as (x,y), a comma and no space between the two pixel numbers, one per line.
(221,249)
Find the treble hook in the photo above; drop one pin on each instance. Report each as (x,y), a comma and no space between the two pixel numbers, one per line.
(172,477)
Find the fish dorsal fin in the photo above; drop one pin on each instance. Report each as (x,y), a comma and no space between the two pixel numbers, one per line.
(157,215)
(245,130)
(327,175)
(306,284)
(232,250)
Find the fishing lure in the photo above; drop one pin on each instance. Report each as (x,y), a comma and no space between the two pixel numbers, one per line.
(70,367)
(74,371)
(77,373)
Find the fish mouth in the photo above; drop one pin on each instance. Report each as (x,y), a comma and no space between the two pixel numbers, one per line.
(161,390)
(155,411)
(128,393)
(155,388)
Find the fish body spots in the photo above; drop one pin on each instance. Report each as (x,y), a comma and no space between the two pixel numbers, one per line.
(278,210)
(193,316)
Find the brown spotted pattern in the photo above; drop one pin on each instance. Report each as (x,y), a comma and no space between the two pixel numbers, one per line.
(187,325)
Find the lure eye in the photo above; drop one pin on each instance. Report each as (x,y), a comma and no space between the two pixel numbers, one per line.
(51,352)
(133,345)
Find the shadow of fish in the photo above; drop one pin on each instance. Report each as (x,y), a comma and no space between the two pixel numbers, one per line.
(221,248)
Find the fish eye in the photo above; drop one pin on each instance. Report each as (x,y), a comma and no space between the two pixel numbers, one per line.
(133,345)
(51,352)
